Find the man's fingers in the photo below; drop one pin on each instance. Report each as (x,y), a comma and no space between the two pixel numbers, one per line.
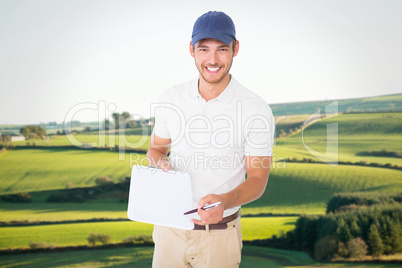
(197,222)
(205,200)
(164,165)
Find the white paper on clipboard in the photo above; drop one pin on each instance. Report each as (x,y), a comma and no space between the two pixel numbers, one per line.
(160,197)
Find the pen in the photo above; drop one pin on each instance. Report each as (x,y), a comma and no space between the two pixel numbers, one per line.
(206,207)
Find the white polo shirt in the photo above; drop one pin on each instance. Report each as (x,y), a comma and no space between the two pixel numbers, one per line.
(211,139)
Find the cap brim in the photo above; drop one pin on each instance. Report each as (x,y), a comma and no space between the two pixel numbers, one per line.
(225,38)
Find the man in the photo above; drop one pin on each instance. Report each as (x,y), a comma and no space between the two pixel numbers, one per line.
(217,130)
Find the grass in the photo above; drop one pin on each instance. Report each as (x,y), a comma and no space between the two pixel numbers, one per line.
(33,170)
(295,188)
(357,133)
(121,257)
(69,234)
(93,139)
(252,257)
(292,188)
(381,103)
(266,227)
(42,211)
(384,103)
(77,233)
(305,188)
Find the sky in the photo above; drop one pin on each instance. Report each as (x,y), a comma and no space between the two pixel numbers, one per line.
(84,59)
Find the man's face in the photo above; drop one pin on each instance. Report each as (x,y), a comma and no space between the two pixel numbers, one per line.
(213,59)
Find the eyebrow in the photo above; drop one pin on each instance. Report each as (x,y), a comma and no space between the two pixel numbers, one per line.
(205,46)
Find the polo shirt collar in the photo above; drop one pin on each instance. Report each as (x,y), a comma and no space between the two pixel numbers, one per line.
(225,97)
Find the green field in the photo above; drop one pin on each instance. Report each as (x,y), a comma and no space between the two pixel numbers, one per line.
(252,257)
(293,188)
(109,208)
(92,139)
(77,233)
(69,234)
(36,169)
(40,210)
(385,103)
(306,188)
(357,133)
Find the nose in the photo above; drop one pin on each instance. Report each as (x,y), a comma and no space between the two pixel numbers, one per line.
(213,58)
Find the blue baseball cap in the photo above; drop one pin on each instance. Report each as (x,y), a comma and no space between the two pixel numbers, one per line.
(216,25)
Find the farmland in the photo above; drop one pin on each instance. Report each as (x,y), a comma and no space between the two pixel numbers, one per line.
(387,103)
(357,134)
(94,139)
(312,186)
(295,187)
(34,170)
(77,233)
(252,257)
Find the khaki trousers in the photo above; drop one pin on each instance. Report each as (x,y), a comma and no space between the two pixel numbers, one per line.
(175,248)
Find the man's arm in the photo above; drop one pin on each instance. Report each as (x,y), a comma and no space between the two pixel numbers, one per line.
(251,189)
(157,152)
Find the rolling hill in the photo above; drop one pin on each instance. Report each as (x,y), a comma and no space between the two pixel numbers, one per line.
(386,103)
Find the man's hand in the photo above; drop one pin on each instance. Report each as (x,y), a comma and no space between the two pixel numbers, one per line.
(252,188)
(157,152)
(213,215)
(163,164)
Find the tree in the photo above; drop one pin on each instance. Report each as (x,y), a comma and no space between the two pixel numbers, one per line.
(396,237)
(355,229)
(374,241)
(92,238)
(357,248)
(128,121)
(26,132)
(326,248)
(132,123)
(125,115)
(5,138)
(342,232)
(117,119)
(103,238)
(30,132)
(106,124)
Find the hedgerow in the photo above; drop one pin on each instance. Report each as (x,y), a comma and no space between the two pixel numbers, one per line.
(17,198)
(343,200)
(373,227)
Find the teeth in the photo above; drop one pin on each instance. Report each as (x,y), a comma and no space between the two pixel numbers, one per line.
(213,69)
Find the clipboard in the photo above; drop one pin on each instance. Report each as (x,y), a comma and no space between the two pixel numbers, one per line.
(159,197)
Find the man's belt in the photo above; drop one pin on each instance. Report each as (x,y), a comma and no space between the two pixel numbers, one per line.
(222,225)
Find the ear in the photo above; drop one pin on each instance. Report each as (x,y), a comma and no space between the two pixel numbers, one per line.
(191,50)
(236,48)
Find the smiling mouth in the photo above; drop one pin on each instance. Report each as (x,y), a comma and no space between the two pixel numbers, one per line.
(213,70)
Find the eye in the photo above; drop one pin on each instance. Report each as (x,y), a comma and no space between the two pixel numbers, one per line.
(223,49)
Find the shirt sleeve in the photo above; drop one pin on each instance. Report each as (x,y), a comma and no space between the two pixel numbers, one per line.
(160,111)
(259,132)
